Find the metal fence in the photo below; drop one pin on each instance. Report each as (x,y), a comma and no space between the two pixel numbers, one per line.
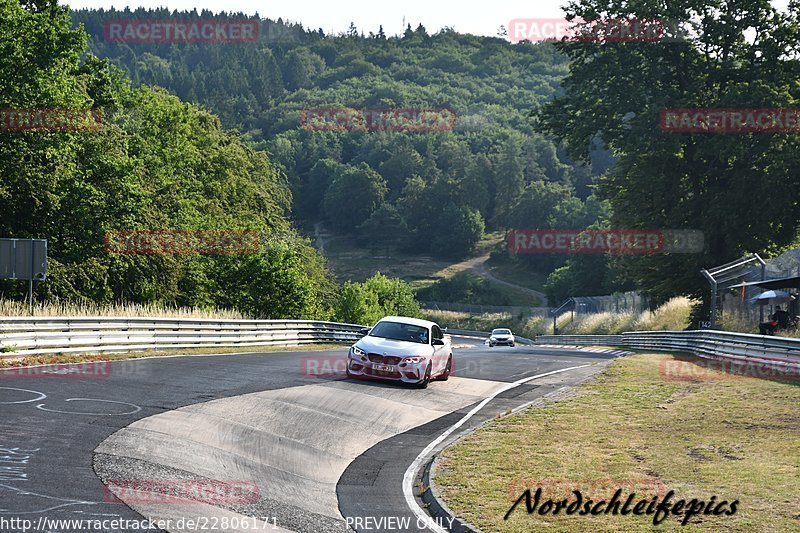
(578,340)
(736,305)
(707,343)
(623,302)
(58,335)
(484,309)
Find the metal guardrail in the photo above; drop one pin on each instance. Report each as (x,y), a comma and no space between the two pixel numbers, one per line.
(707,343)
(59,335)
(605,340)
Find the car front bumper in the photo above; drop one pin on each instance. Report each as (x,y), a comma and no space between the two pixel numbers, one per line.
(404,372)
(501,342)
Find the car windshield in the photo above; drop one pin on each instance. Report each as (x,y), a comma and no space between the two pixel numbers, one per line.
(501,332)
(400,332)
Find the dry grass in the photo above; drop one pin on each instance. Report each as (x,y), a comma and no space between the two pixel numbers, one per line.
(15,308)
(34,360)
(731,322)
(736,439)
(524,326)
(600,324)
(672,316)
(463,320)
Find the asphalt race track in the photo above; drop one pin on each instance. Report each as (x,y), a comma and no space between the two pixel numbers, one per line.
(322,452)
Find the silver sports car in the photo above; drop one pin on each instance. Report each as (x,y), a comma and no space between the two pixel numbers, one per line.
(402,349)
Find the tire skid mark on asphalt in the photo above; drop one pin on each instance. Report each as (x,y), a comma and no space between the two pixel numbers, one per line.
(65,502)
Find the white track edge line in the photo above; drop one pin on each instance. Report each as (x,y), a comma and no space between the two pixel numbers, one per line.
(408,477)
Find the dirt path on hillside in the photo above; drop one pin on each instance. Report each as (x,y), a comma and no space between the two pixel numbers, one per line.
(477,265)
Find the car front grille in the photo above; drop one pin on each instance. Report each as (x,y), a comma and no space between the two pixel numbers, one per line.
(384,359)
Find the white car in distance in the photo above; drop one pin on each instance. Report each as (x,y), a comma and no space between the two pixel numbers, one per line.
(501,337)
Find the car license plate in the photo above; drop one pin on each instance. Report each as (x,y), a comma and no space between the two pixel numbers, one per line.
(383,368)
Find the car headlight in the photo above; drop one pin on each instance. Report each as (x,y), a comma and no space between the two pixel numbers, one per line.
(358,351)
(413,360)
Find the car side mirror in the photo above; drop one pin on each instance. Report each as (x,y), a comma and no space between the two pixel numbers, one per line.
(365,331)
(438,342)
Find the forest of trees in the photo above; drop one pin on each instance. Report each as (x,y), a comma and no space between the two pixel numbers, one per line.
(742,190)
(201,136)
(156,163)
(423,192)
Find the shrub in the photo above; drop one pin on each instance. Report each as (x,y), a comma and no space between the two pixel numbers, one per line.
(379,296)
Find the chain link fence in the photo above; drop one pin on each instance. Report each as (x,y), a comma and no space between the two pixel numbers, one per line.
(473,309)
(623,302)
(736,305)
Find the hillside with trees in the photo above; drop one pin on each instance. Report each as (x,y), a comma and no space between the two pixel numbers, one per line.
(156,163)
(741,189)
(430,193)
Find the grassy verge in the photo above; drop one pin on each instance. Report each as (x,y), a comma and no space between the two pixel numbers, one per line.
(737,439)
(32,360)
(352,261)
(13,308)
(468,288)
(525,326)
(518,276)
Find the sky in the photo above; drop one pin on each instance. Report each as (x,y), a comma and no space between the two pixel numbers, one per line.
(334,16)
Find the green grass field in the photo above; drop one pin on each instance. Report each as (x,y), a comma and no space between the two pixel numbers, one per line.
(638,428)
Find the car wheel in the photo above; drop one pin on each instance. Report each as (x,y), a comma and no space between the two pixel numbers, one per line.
(423,384)
(446,374)
(512,344)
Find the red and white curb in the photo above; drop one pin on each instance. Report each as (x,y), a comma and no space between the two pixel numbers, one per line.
(618,353)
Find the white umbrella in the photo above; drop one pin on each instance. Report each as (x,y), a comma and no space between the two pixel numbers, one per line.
(772,298)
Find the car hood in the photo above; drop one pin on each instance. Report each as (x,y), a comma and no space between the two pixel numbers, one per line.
(392,347)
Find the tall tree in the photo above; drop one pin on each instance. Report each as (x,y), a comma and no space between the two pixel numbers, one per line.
(354,194)
(741,189)
(509,179)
